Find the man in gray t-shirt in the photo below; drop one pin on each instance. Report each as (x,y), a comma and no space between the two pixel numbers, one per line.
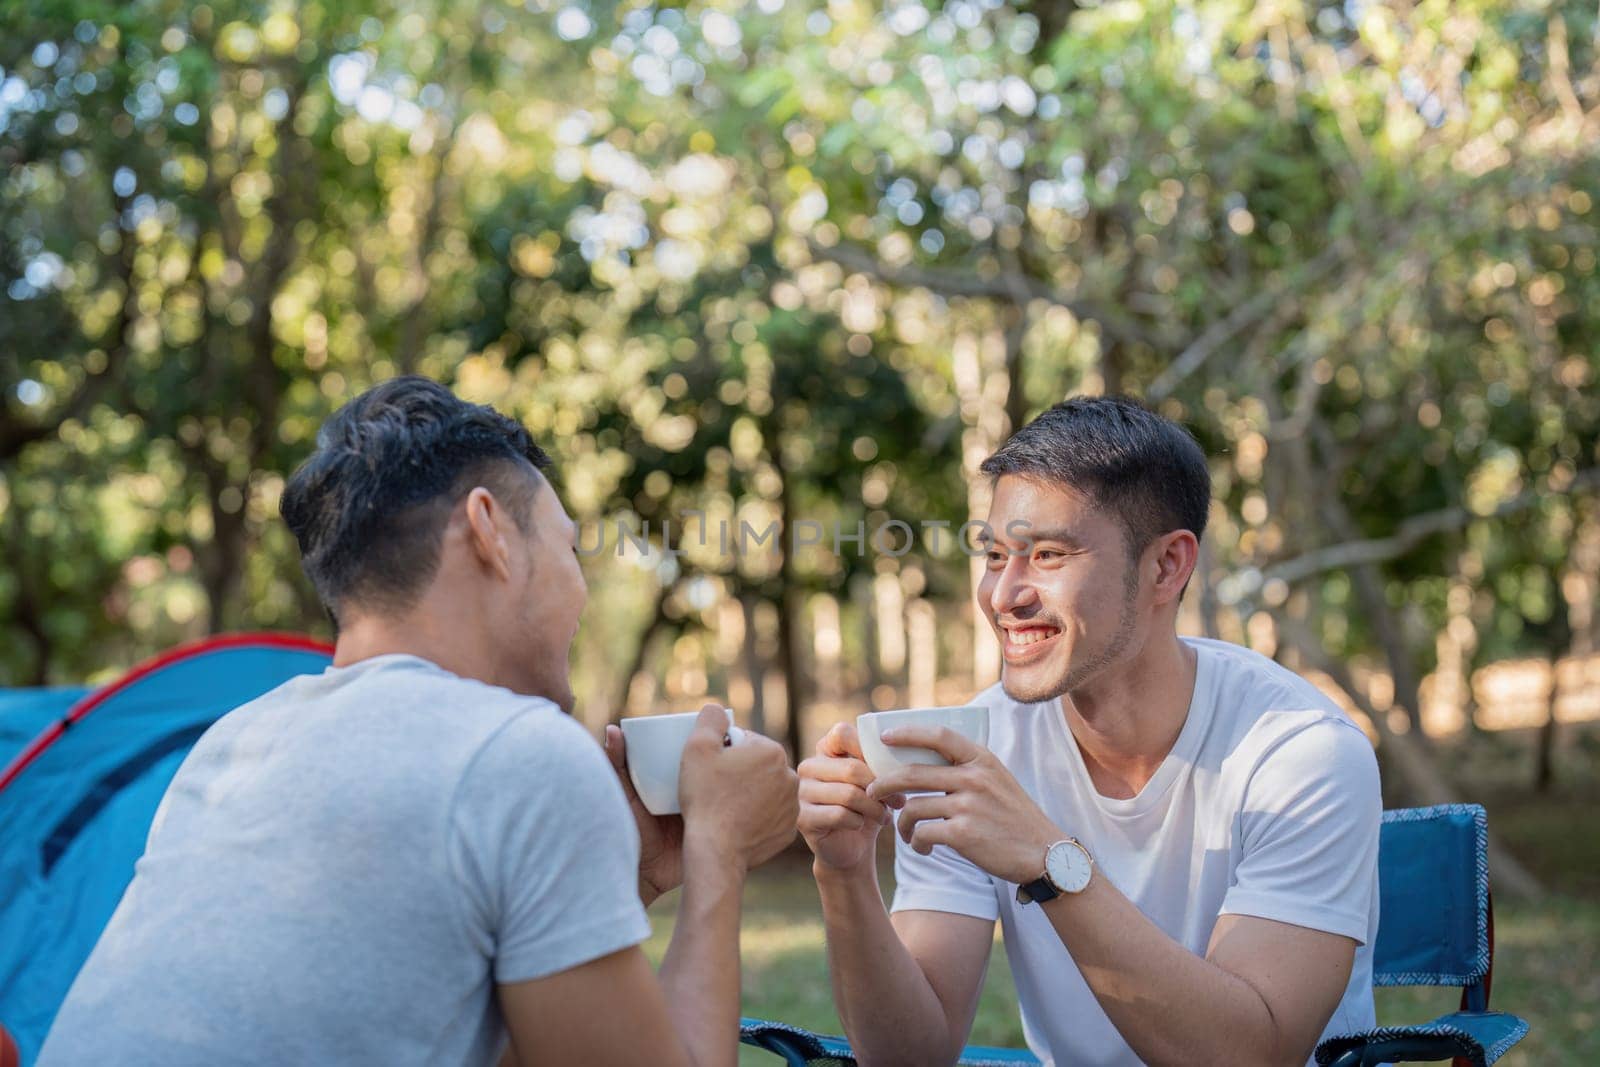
(407,857)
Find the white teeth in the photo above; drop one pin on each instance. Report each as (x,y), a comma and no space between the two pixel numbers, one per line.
(1031,637)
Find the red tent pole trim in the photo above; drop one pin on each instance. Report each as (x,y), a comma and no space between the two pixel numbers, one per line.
(50,734)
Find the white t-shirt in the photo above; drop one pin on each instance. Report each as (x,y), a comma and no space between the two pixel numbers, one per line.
(1267,805)
(343,869)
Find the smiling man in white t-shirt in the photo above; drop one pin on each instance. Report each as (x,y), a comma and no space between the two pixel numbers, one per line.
(1179,837)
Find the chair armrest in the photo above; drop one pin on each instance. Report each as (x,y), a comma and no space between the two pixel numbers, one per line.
(800,1047)
(1479,1037)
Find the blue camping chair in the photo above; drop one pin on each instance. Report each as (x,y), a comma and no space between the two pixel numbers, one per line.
(1436,929)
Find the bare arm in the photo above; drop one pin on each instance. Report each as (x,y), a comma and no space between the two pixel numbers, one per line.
(906,988)
(738,811)
(1262,994)
(571,1017)
(689,1014)
(700,974)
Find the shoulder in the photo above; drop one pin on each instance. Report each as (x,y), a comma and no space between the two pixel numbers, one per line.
(1275,726)
(1247,680)
(536,740)
(538,770)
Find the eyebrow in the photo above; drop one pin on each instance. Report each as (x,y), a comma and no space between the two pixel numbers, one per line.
(1060,537)
(1034,537)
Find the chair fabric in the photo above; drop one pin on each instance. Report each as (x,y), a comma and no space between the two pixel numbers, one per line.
(1479,1037)
(802,1048)
(1433,897)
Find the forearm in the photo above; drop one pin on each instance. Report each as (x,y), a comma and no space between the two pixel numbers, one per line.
(889,1011)
(1170,1005)
(700,974)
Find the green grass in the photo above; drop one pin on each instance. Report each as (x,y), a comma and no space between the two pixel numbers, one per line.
(1547,969)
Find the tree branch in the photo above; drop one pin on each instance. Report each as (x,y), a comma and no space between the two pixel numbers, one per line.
(1413,532)
(408,349)
(1008,287)
(1240,319)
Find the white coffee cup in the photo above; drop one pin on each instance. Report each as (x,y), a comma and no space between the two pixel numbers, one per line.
(971,722)
(655,754)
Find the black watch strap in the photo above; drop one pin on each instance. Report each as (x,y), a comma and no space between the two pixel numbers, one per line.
(1037,891)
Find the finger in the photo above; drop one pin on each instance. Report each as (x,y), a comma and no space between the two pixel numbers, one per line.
(763,749)
(830,769)
(929,834)
(616,747)
(843,795)
(919,810)
(826,819)
(711,726)
(943,740)
(840,741)
(916,778)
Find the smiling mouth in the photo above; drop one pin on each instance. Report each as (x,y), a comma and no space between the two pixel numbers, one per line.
(1025,643)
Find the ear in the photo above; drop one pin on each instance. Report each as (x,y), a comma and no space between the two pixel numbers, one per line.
(1173,556)
(485,534)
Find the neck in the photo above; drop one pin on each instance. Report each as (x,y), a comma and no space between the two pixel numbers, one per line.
(1127,720)
(441,641)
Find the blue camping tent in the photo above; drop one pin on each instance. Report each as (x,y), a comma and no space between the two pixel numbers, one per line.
(76,801)
(24,713)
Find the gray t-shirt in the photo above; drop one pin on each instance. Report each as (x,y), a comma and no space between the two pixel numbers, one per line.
(342,870)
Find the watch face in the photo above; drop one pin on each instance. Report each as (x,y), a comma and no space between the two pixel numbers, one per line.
(1068,865)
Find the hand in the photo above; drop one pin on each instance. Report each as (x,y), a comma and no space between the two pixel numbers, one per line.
(839,820)
(660,836)
(983,812)
(739,800)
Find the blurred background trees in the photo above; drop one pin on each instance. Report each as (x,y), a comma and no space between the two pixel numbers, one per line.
(757,262)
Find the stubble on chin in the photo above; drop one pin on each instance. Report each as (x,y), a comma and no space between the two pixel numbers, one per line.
(1034,691)
(1072,678)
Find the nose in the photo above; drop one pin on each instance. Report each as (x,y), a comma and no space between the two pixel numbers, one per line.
(1013,587)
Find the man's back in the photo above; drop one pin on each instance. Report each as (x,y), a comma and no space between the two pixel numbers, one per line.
(344,869)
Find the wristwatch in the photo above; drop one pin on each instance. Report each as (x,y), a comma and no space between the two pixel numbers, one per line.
(1067,869)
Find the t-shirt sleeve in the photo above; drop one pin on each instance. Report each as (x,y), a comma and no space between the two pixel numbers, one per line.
(941,881)
(545,849)
(1309,833)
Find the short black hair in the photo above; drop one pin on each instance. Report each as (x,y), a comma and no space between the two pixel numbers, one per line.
(370,505)
(1147,470)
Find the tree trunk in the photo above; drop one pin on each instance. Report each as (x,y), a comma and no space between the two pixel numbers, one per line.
(827,644)
(1368,581)
(1544,774)
(1579,586)
(27,607)
(1015,317)
(755,670)
(658,619)
(788,660)
(222,567)
(789,605)
(983,415)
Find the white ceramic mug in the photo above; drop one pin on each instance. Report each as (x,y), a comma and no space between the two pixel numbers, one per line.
(655,754)
(971,722)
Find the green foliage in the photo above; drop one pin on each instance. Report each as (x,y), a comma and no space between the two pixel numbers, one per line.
(749,258)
